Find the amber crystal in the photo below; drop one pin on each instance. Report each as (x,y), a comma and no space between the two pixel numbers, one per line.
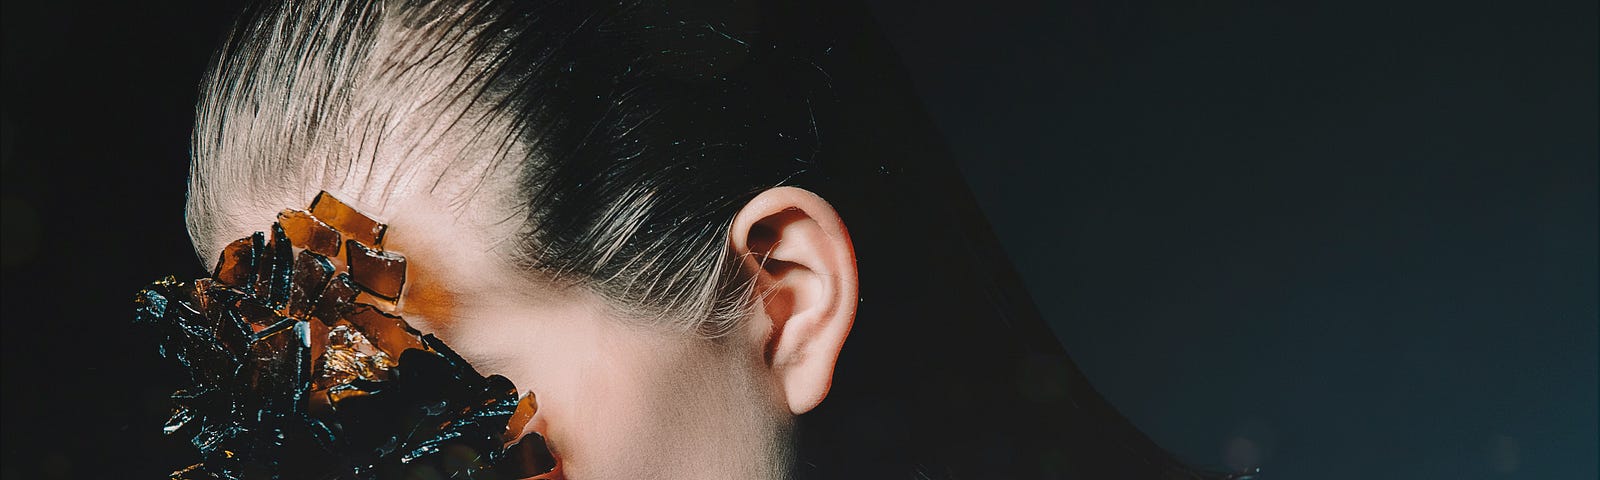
(256,315)
(300,370)
(348,355)
(311,275)
(237,267)
(310,233)
(279,362)
(335,298)
(388,332)
(353,224)
(526,407)
(381,273)
(385,305)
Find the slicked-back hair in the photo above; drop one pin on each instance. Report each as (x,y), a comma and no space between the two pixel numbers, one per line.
(619,138)
(611,144)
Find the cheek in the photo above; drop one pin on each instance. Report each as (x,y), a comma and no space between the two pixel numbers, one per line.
(621,404)
(614,401)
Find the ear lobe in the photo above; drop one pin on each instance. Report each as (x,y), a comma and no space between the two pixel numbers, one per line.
(797,249)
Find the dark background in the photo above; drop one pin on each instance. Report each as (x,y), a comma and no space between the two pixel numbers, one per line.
(1331,239)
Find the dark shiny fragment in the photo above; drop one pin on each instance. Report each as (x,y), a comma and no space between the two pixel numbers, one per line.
(256,315)
(530,456)
(275,270)
(353,224)
(311,275)
(279,366)
(150,306)
(355,393)
(335,299)
(381,273)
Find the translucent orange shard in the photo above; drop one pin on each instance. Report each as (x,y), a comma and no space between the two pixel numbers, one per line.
(311,275)
(526,407)
(346,219)
(310,233)
(335,298)
(389,333)
(237,267)
(381,273)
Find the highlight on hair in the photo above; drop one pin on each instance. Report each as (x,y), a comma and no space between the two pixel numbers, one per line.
(616,140)
(610,144)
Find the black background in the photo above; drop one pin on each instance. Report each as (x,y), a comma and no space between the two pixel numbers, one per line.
(1332,239)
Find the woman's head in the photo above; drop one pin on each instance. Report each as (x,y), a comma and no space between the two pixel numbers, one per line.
(599,200)
(587,196)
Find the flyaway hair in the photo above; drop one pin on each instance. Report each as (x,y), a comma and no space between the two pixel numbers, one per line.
(613,142)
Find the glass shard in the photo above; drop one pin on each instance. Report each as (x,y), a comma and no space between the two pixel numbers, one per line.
(355,393)
(256,315)
(388,332)
(237,266)
(527,458)
(340,393)
(150,306)
(348,356)
(335,299)
(311,274)
(364,297)
(279,366)
(180,417)
(519,418)
(274,270)
(192,472)
(381,273)
(306,231)
(347,220)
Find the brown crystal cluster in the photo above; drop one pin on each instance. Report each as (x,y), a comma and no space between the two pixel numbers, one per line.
(301,368)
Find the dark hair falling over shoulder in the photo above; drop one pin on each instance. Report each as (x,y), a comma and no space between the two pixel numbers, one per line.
(637,130)
(950,371)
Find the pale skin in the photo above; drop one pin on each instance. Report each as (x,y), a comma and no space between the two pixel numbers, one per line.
(622,400)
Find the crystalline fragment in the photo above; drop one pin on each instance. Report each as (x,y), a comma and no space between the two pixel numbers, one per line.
(527,458)
(180,417)
(347,356)
(354,394)
(150,306)
(274,270)
(340,393)
(388,332)
(256,315)
(234,333)
(347,220)
(311,275)
(381,273)
(334,299)
(280,363)
(192,472)
(237,266)
(306,231)
(385,305)
(526,407)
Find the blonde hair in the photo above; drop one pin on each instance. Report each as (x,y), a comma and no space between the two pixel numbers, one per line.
(617,165)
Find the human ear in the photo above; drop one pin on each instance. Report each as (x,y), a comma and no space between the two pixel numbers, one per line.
(796,248)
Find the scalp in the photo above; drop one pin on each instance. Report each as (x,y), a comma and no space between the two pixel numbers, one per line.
(379,101)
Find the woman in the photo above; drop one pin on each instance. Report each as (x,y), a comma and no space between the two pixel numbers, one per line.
(639,212)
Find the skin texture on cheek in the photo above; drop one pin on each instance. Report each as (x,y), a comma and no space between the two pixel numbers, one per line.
(616,399)
(621,401)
